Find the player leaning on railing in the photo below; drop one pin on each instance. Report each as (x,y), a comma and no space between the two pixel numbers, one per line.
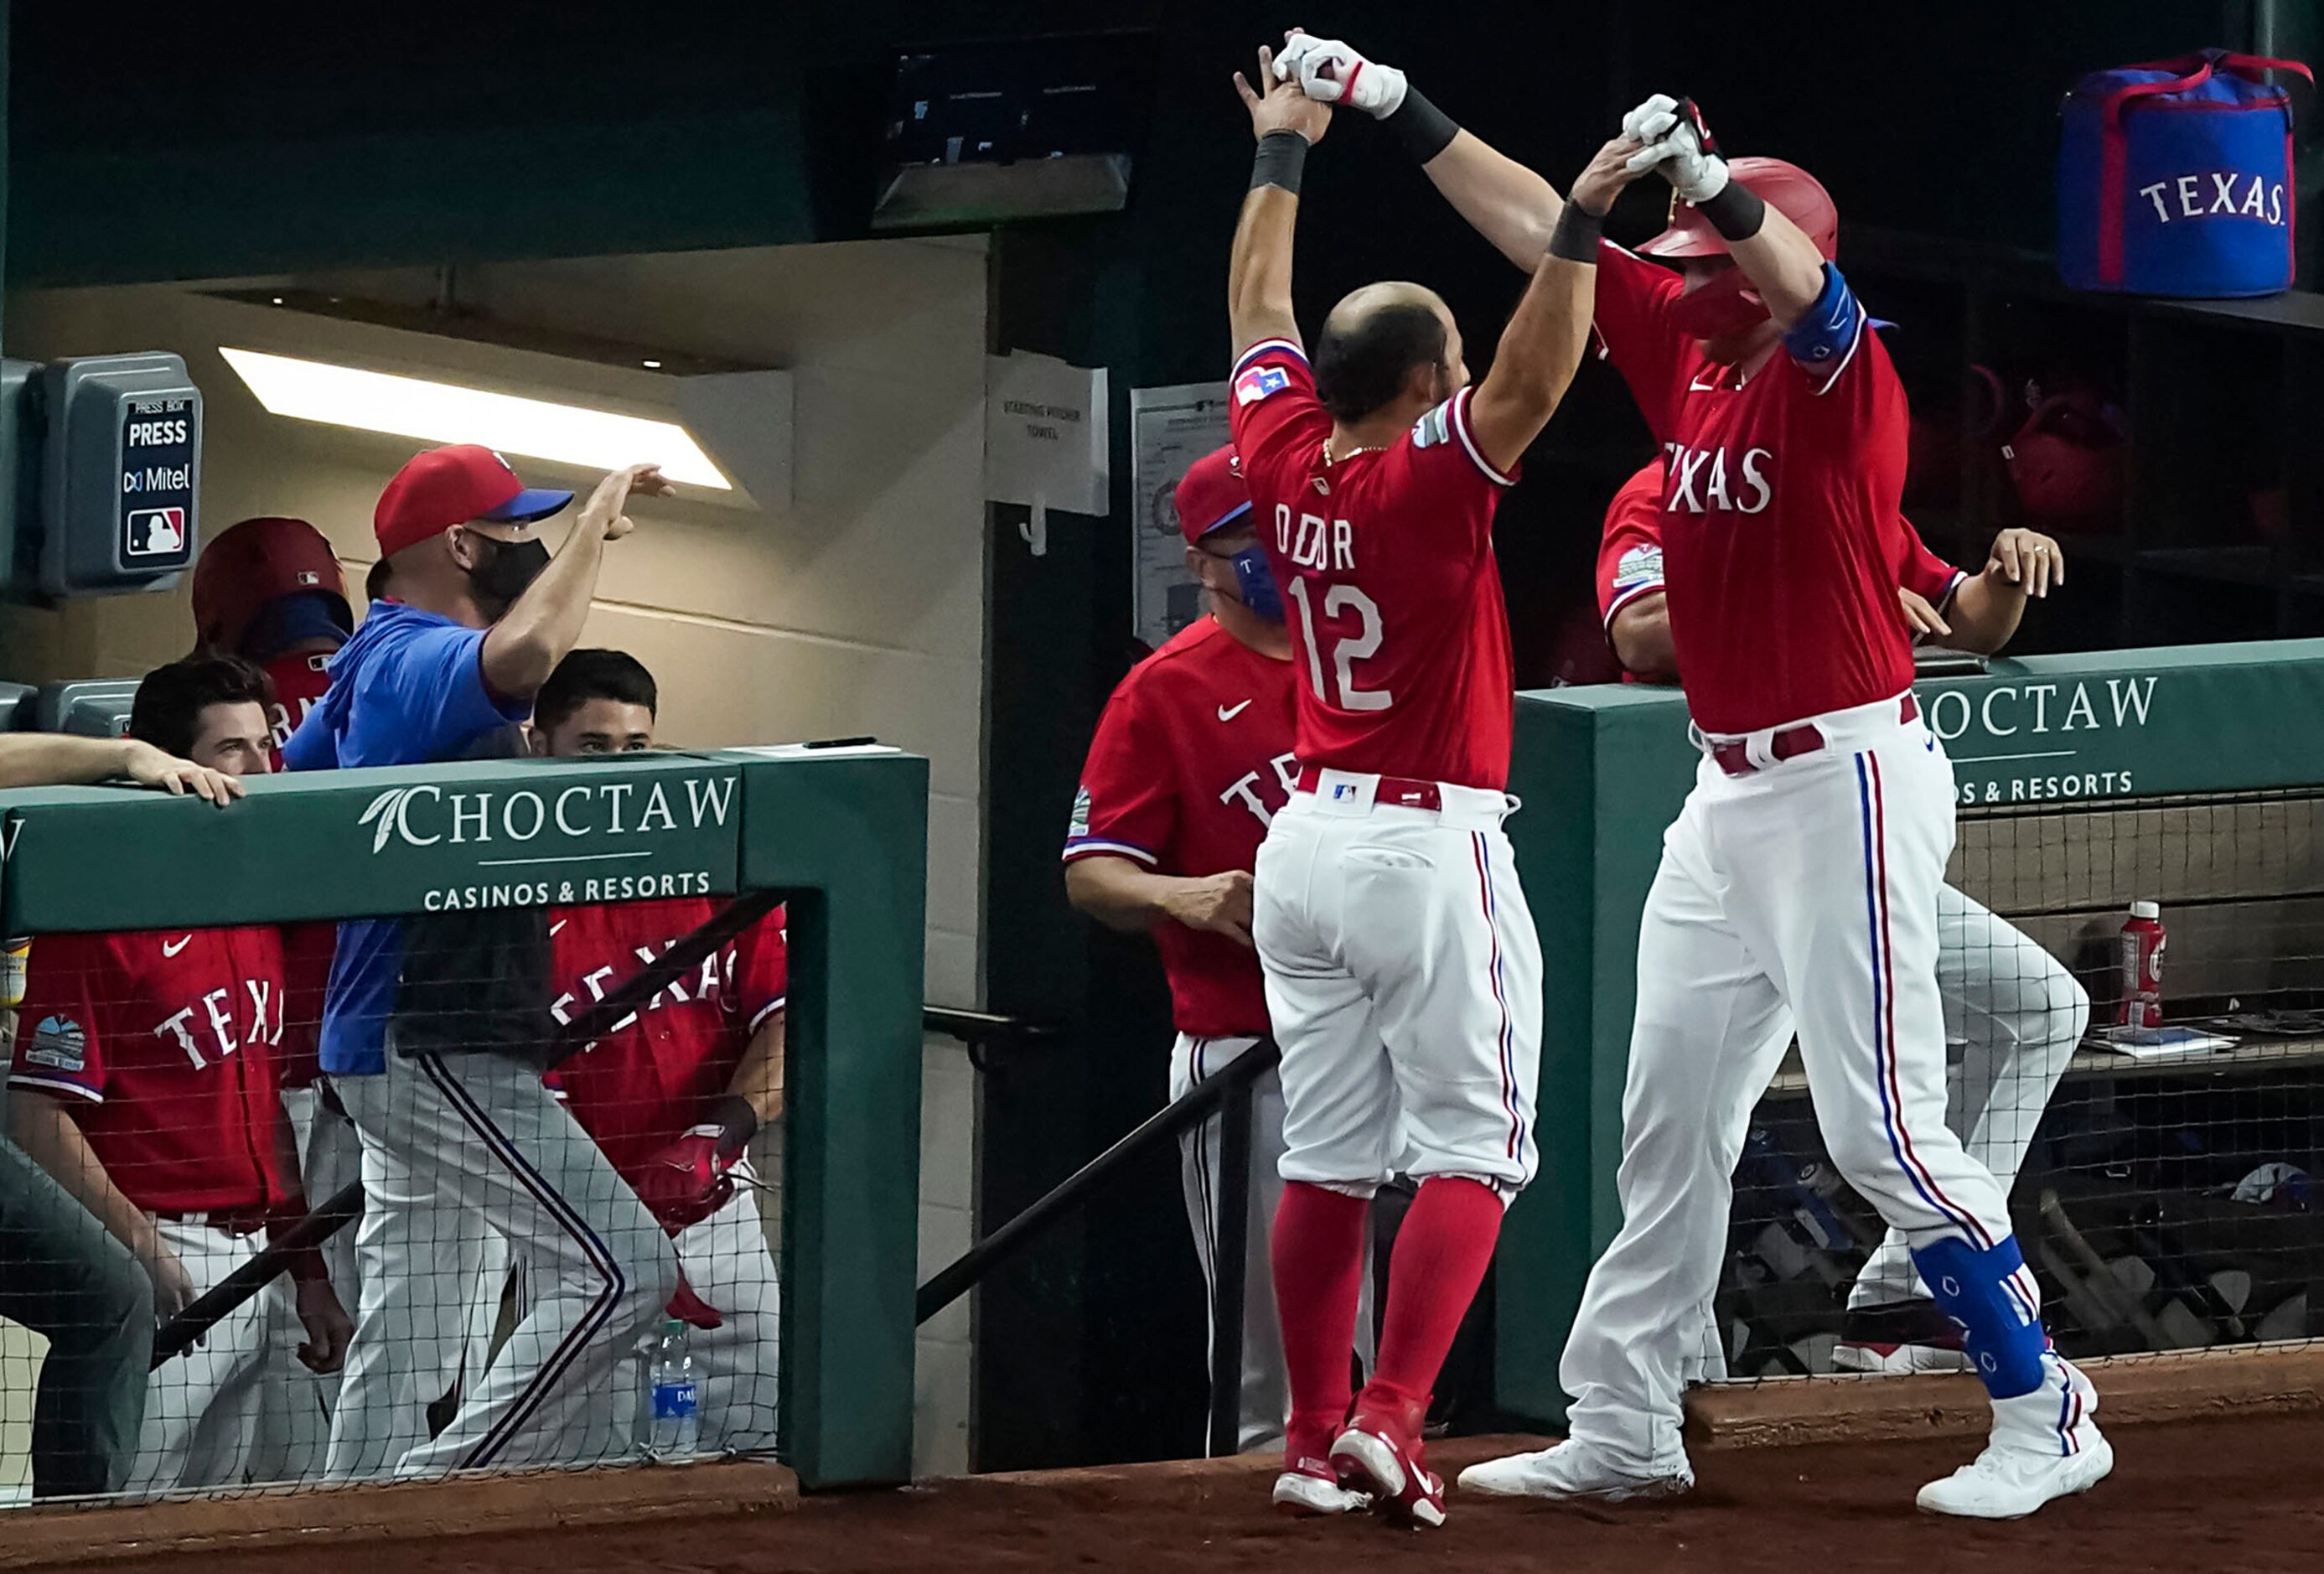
(143,1081)
(1785,424)
(435,1027)
(62,1274)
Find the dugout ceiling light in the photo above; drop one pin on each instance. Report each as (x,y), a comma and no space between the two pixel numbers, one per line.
(434,411)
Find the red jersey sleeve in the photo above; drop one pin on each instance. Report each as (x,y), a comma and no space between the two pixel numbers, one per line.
(1632,316)
(1127,806)
(60,1039)
(1440,460)
(1630,552)
(1926,574)
(762,968)
(1276,417)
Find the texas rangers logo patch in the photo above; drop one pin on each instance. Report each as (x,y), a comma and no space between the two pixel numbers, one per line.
(1261,381)
(1638,566)
(59,1044)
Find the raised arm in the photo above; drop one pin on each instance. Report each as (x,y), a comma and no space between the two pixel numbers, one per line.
(1546,336)
(1782,264)
(1988,606)
(542,627)
(1287,123)
(1505,202)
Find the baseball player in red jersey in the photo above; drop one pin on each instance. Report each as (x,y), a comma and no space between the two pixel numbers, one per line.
(1403,973)
(270,591)
(674,1093)
(1805,867)
(1192,759)
(2014,1014)
(145,1083)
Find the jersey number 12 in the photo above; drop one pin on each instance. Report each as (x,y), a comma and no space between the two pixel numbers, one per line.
(1340,602)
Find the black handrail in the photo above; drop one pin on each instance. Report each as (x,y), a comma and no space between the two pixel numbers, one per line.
(1227,1094)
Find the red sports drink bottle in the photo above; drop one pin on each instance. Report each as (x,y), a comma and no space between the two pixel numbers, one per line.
(2142,967)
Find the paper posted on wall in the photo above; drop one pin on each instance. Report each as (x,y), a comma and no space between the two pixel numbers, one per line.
(1045,438)
(1169,429)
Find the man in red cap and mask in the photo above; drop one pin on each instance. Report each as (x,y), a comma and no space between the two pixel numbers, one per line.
(1191,761)
(436,1025)
(1804,871)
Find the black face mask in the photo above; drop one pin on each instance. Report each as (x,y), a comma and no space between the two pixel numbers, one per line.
(513,566)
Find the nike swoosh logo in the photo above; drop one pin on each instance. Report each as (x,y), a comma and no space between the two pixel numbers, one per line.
(1697,385)
(170,949)
(1228,713)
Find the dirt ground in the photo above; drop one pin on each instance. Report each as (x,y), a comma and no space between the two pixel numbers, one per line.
(2220,1498)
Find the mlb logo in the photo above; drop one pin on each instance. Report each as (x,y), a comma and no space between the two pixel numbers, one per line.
(1343,789)
(155,532)
(308,576)
(1261,381)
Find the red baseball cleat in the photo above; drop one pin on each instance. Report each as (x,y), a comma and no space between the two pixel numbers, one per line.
(1309,1485)
(1380,1451)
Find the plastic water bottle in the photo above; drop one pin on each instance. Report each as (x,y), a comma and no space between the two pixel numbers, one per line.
(676,1426)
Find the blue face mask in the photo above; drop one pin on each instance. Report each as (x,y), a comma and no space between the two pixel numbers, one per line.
(1258,583)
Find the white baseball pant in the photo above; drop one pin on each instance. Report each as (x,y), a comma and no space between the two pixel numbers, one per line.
(1265,1402)
(477,1135)
(1808,884)
(212,1412)
(1404,984)
(2014,1015)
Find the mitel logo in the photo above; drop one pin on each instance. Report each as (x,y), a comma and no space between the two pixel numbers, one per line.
(425,814)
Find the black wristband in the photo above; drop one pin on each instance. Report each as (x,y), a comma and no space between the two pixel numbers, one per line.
(1419,128)
(1736,213)
(733,1112)
(1281,156)
(1576,236)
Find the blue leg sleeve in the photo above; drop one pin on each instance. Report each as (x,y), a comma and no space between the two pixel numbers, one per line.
(1990,1294)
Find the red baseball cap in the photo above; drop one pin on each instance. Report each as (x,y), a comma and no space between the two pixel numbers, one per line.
(450,486)
(1212,493)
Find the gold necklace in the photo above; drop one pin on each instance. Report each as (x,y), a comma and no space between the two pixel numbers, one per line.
(1331,458)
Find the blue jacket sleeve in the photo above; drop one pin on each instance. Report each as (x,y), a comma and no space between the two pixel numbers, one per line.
(434,681)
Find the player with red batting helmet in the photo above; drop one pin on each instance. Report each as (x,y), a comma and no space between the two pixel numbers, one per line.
(271,591)
(1785,427)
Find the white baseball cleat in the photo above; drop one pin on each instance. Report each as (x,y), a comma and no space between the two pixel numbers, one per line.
(2009,1481)
(1302,1492)
(1568,1470)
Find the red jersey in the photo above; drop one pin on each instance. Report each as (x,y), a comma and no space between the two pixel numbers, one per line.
(162,1042)
(1780,498)
(1630,553)
(656,1071)
(299,684)
(1386,560)
(1192,759)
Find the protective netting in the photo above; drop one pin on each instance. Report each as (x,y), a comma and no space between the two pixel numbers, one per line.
(2163,1190)
(562,1251)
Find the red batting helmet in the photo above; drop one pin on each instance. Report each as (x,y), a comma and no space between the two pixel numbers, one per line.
(1786,187)
(252,564)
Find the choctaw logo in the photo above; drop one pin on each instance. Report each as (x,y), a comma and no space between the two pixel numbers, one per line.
(425,814)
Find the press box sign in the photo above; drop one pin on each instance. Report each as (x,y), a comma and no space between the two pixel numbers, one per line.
(121,473)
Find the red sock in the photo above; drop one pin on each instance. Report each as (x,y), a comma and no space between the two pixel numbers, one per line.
(1441,1255)
(1317,1253)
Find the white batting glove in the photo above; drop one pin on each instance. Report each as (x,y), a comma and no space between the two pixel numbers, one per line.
(1676,146)
(1332,72)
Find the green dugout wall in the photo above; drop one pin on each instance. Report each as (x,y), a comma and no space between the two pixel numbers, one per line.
(845,831)
(1603,771)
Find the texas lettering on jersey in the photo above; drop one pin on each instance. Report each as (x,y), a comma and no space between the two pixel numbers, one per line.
(1386,558)
(162,1043)
(1780,504)
(1192,759)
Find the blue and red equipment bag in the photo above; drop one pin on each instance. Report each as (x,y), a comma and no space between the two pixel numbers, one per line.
(2175,178)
